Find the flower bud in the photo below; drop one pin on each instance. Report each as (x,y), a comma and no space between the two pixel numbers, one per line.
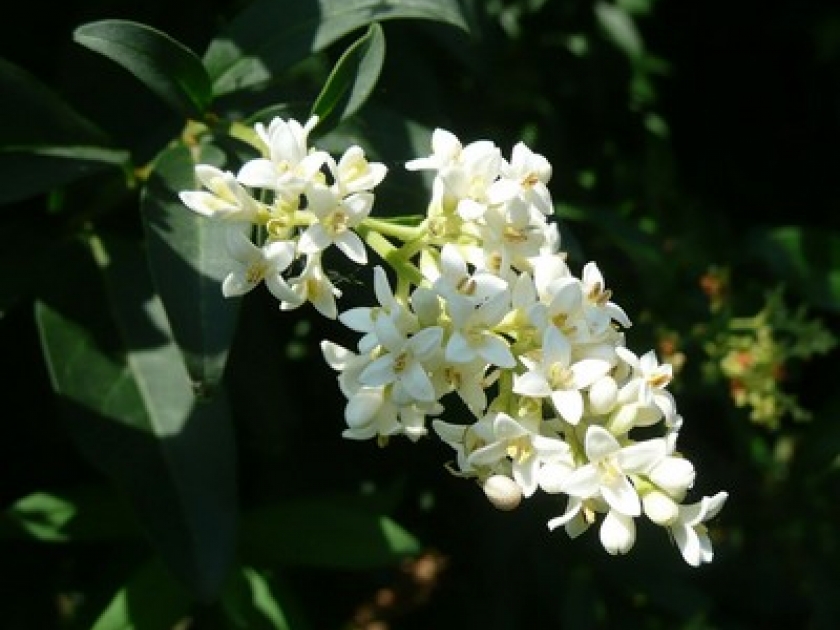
(603,394)
(503,492)
(660,508)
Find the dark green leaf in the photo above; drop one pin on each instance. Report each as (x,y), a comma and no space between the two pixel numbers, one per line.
(353,78)
(188,260)
(164,65)
(29,171)
(150,600)
(270,36)
(807,260)
(133,413)
(90,513)
(327,532)
(32,114)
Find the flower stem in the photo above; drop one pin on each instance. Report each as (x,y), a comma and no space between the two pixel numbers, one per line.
(390,254)
(404,233)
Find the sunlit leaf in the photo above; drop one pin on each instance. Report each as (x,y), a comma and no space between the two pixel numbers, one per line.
(149,600)
(250,603)
(188,260)
(325,532)
(29,171)
(270,36)
(353,78)
(132,411)
(89,513)
(164,65)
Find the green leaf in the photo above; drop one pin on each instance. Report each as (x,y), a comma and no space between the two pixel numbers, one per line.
(328,532)
(29,171)
(188,259)
(270,36)
(167,67)
(32,114)
(807,260)
(150,600)
(250,602)
(133,413)
(88,513)
(352,79)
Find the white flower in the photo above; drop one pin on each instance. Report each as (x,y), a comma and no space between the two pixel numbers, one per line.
(690,531)
(469,180)
(353,173)
(313,285)
(525,177)
(258,264)
(369,413)
(562,307)
(446,150)
(601,311)
(521,441)
(227,198)
(646,386)
(609,463)
(403,361)
(473,335)
(335,220)
(468,380)
(455,278)
(363,318)
(556,376)
(290,165)
(510,237)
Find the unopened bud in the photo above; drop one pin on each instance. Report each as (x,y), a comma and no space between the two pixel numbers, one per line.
(503,492)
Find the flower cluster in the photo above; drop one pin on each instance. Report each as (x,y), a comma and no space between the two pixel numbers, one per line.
(485,320)
(301,201)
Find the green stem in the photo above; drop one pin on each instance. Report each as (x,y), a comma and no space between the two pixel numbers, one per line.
(391,254)
(404,233)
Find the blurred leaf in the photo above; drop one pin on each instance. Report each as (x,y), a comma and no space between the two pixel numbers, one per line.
(328,532)
(620,28)
(270,36)
(32,114)
(89,513)
(29,171)
(164,65)
(150,600)
(188,260)
(807,260)
(353,78)
(250,604)
(623,233)
(136,416)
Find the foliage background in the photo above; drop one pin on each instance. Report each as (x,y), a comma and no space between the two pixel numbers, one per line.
(695,159)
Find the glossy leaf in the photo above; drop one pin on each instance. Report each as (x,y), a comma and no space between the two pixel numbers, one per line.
(270,36)
(33,114)
(29,171)
(188,259)
(328,532)
(89,513)
(149,600)
(353,78)
(164,65)
(133,413)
